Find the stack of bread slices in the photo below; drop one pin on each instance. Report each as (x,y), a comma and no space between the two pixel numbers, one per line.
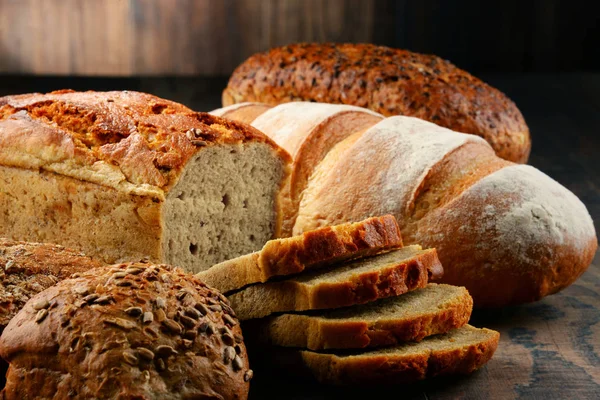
(350,304)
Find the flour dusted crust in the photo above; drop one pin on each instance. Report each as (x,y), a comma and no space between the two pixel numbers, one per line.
(132,330)
(388,81)
(508,233)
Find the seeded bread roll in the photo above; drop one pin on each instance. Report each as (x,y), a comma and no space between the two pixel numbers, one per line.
(134,331)
(388,81)
(125,176)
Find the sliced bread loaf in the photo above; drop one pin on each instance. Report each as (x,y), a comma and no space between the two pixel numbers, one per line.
(460,351)
(309,250)
(359,282)
(431,310)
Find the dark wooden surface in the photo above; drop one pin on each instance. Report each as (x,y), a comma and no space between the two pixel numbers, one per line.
(549,349)
(189,37)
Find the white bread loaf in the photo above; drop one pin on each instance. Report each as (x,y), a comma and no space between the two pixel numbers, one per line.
(125,176)
(507,232)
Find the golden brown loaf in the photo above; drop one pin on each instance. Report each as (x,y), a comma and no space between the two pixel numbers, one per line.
(388,81)
(313,249)
(135,331)
(460,351)
(358,282)
(127,176)
(410,317)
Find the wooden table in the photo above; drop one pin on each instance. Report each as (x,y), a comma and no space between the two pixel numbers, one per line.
(549,349)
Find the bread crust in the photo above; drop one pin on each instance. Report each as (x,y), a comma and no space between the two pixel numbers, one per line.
(390,368)
(300,294)
(329,330)
(127,331)
(126,140)
(388,81)
(312,249)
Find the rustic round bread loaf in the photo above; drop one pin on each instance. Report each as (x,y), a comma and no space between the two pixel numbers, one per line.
(388,81)
(129,331)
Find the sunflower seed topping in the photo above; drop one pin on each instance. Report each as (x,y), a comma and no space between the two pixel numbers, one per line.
(227,339)
(228,354)
(130,357)
(191,335)
(148,317)
(90,298)
(121,323)
(133,270)
(237,363)
(187,321)
(248,375)
(103,299)
(145,354)
(201,308)
(215,307)
(160,365)
(134,311)
(160,302)
(229,320)
(192,313)
(165,351)
(172,326)
(119,275)
(41,315)
(238,338)
(41,304)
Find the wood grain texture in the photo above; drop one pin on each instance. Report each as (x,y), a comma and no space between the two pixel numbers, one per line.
(549,349)
(212,37)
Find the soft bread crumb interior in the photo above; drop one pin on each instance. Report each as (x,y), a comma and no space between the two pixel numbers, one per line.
(223,205)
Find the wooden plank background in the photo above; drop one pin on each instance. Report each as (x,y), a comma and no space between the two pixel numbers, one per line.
(211,37)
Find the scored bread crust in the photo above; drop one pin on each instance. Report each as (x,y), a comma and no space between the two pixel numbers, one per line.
(135,331)
(507,232)
(312,249)
(307,293)
(457,352)
(388,81)
(242,112)
(370,325)
(132,141)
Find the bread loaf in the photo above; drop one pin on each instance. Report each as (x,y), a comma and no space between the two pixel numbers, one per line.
(307,131)
(410,317)
(388,81)
(344,285)
(314,249)
(457,352)
(507,232)
(129,176)
(130,331)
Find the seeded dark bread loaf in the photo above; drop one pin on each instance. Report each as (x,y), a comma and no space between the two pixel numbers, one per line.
(305,130)
(127,331)
(28,268)
(388,81)
(410,317)
(310,250)
(508,233)
(358,282)
(460,351)
(125,176)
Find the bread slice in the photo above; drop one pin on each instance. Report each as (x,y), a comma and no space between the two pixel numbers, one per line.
(460,351)
(359,282)
(309,250)
(431,310)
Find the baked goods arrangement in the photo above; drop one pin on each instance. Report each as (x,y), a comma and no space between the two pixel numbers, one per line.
(134,330)
(364,319)
(126,176)
(388,81)
(507,232)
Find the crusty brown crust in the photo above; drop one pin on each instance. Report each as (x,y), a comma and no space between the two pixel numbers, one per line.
(385,80)
(312,249)
(102,136)
(390,368)
(28,268)
(317,332)
(127,331)
(298,294)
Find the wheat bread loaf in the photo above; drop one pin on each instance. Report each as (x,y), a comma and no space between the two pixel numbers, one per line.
(358,282)
(507,232)
(312,249)
(128,176)
(242,112)
(460,351)
(129,331)
(434,309)
(307,131)
(388,81)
